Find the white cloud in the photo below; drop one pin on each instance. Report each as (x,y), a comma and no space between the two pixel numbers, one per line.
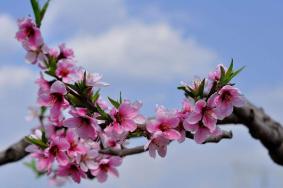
(106,38)
(144,51)
(15,76)
(270,98)
(8,42)
(66,17)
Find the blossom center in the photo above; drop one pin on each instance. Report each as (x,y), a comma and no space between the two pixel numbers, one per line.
(64,72)
(104,167)
(56,97)
(29,31)
(226,96)
(164,127)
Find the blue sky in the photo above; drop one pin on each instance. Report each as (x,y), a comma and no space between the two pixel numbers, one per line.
(144,49)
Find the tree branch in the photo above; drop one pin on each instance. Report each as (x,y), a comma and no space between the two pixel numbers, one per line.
(140,149)
(261,127)
(14,153)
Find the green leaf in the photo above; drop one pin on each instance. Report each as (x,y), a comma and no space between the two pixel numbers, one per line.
(74,100)
(120,98)
(36,11)
(188,91)
(103,114)
(43,10)
(237,72)
(36,142)
(201,89)
(95,97)
(115,103)
(230,69)
(223,74)
(32,166)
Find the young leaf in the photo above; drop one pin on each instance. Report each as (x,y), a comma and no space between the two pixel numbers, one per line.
(43,10)
(36,142)
(223,75)
(116,104)
(120,99)
(36,11)
(95,97)
(32,166)
(201,89)
(230,69)
(237,72)
(103,114)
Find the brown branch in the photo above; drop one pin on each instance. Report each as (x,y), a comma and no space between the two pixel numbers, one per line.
(123,152)
(261,126)
(14,153)
(214,139)
(140,149)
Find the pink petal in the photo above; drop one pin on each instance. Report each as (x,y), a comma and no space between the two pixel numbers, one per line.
(129,125)
(239,101)
(172,134)
(113,171)
(173,122)
(62,158)
(201,135)
(152,150)
(139,119)
(200,105)
(76,177)
(101,177)
(162,151)
(194,118)
(209,122)
(190,127)
(115,161)
(86,131)
(72,122)
(91,164)
(58,87)
(152,126)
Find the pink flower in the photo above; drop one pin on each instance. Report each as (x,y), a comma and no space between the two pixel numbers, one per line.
(112,140)
(187,108)
(65,53)
(227,98)
(43,161)
(166,123)
(125,118)
(72,170)
(157,143)
(44,85)
(201,132)
(57,149)
(54,98)
(76,148)
(92,79)
(57,180)
(66,70)
(29,34)
(215,75)
(37,57)
(86,161)
(86,126)
(106,166)
(204,112)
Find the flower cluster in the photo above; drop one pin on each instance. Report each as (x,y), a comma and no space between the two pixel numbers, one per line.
(76,125)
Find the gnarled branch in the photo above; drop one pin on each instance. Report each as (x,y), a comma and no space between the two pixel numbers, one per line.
(14,153)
